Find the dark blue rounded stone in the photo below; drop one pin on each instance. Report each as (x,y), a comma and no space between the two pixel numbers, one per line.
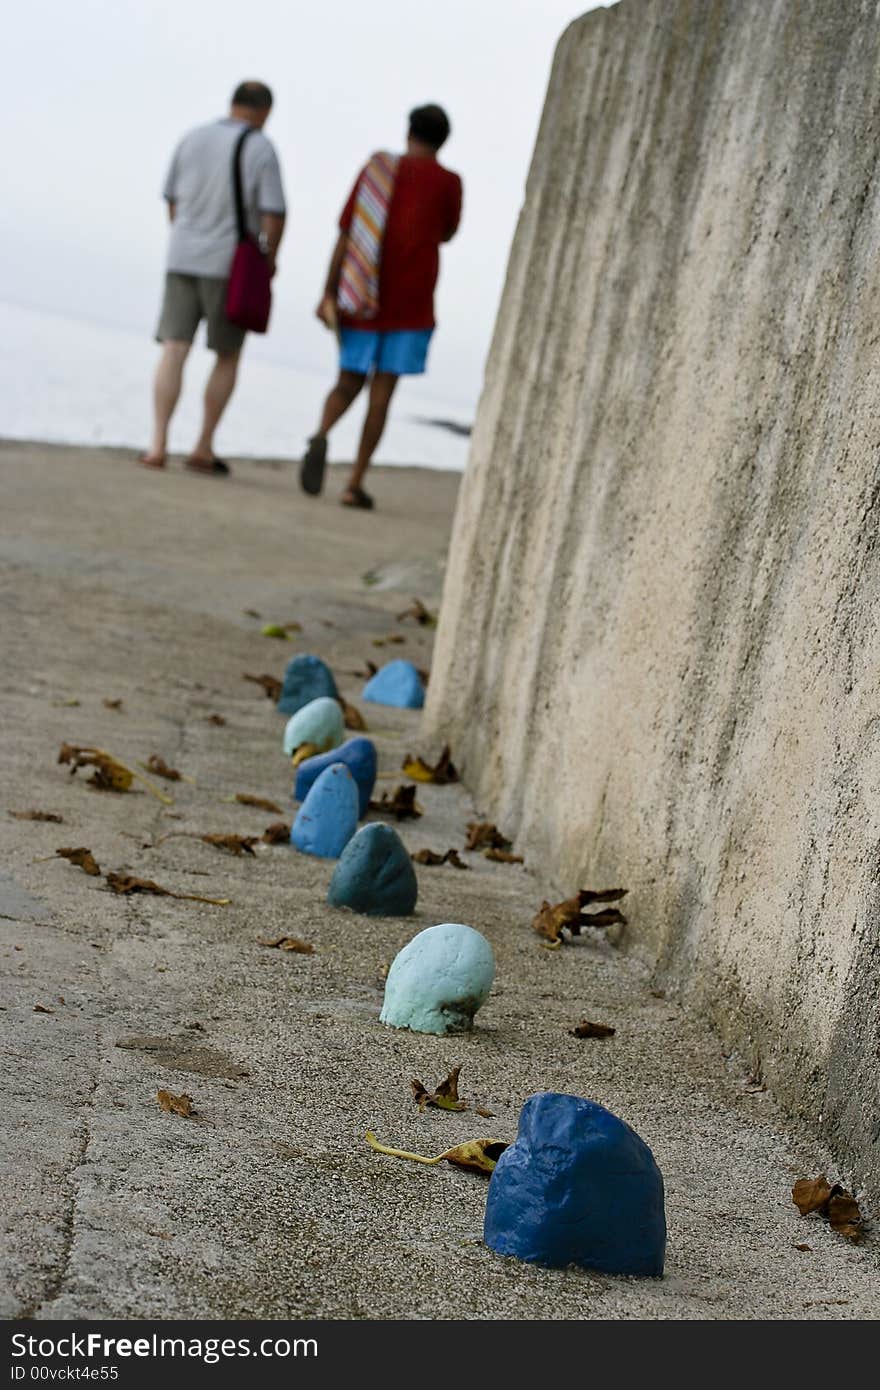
(306,678)
(359,756)
(399,684)
(577,1187)
(375,874)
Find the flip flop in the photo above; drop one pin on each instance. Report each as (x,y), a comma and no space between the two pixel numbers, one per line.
(311,473)
(358,497)
(217,468)
(146,462)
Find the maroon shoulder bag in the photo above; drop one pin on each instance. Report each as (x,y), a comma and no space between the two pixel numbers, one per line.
(249,292)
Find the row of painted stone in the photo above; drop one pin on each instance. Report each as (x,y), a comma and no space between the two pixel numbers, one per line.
(578,1186)
(308,678)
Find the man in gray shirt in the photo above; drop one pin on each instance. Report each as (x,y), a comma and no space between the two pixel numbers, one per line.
(201,205)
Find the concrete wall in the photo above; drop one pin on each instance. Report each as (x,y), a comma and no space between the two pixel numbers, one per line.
(658,655)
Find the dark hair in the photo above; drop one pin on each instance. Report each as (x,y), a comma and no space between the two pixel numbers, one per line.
(429,124)
(256,95)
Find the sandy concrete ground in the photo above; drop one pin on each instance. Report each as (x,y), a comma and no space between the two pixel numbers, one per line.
(118,584)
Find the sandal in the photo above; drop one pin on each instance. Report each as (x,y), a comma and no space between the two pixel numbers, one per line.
(311,473)
(356,497)
(218,468)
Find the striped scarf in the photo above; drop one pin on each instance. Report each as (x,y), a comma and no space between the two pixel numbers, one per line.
(358,292)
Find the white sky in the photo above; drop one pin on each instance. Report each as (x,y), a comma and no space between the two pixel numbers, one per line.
(98,92)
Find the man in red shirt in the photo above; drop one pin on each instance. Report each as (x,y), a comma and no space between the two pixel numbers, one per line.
(401,222)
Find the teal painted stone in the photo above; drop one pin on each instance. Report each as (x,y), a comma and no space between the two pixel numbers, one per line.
(306,678)
(399,684)
(359,756)
(375,874)
(439,980)
(328,817)
(579,1187)
(320,722)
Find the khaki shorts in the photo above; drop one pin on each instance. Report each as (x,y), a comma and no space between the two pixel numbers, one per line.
(191,298)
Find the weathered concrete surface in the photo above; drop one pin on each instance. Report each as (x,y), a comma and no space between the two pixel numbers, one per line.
(659,646)
(116,583)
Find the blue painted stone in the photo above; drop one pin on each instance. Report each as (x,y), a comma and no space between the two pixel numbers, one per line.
(577,1187)
(439,980)
(320,722)
(375,874)
(328,817)
(359,756)
(306,678)
(398,683)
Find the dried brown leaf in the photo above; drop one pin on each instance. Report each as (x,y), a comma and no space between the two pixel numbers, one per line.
(233,844)
(109,774)
(41,1009)
(277,833)
(811,1194)
(251,613)
(552,920)
(160,768)
(82,858)
(477,1155)
(445,1097)
(442,772)
(217,719)
(586,1029)
(260,802)
(352,716)
(129,883)
(845,1217)
(287,943)
(401,803)
(503,856)
(804,1247)
(482,834)
(839,1207)
(113,704)
(419,612)
(271,684)
(175,1105)
(38,815)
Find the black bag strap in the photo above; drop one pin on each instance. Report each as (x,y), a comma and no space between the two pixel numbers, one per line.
(238,191)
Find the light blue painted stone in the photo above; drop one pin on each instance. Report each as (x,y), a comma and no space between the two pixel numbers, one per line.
(439,980)
(398,683)
(328,817)
(359,756)
(375,874)
(320,722)
(306,678)
(577,1187)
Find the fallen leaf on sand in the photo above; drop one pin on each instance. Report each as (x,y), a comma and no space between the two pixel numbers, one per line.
(109,774)
(430,856)
(128,883)
(477,1155)
(175,1105)
(233,844)
(41,1009)
(251,613)
(370,669)
(277,833)
(442,773)
(304,751)
(352,716)
(838,1206)
(586,1029)
(401,803)
(446,1096)
(424,676)
(113,704)
(481,834)
(274,630)
(418,611)
(571,915)
(38,815)
(294,627)
(503,856)
(395,638)
(271,685)
(261,802)
(72,703)
(160,768)
(217,719)
(287,943)
(82,858)
(804,1247)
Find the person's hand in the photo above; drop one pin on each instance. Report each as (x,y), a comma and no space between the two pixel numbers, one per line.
(326,311)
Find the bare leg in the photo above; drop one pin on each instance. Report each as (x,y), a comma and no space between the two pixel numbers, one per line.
(381,390)
(340,398)
(218,390)
(166,393)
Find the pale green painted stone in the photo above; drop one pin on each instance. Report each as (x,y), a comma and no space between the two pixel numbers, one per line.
(438,980)
(320,722)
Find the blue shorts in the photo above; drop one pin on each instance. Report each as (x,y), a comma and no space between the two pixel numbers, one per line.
(403,352)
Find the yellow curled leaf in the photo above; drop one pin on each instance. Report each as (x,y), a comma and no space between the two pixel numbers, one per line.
(305,750)
(418,770)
